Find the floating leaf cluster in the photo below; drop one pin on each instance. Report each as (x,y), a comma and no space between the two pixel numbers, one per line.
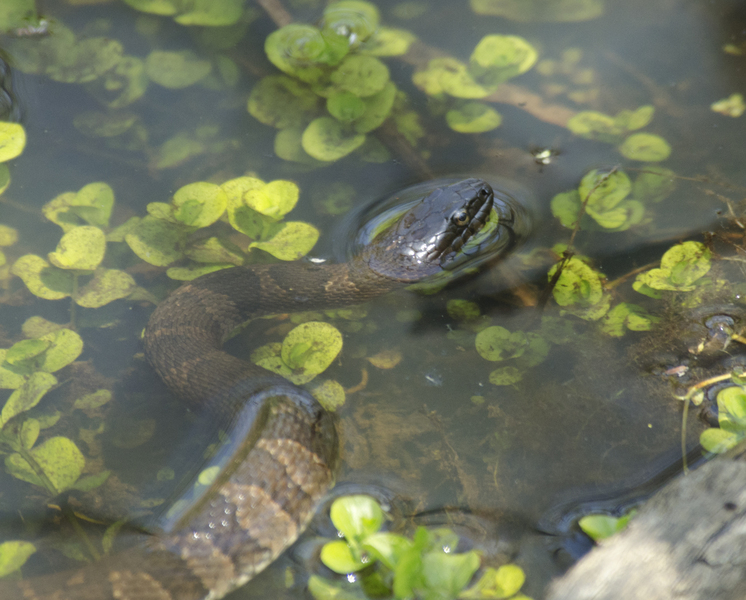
(540,10)
(682,269)
(612,201)
(208,13)
(646,147)
(384,563)
(495,59)
(731,403)
(334,89)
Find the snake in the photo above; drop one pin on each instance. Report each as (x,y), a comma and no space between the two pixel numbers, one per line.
(287,463)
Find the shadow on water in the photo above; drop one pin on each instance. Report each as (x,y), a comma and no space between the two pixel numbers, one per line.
(574,413)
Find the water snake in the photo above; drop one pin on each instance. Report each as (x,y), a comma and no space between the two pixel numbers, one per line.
(288,464)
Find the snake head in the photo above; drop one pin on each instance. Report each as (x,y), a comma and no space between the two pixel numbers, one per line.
(429,237)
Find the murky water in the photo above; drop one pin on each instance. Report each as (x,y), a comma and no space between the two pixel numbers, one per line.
(588,419)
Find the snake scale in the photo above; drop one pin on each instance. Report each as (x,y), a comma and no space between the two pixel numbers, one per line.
(274,488)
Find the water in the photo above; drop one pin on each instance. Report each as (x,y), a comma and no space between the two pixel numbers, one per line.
(587,423)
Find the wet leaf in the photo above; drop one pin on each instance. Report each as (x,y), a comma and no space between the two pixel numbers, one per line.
(325,139)
(566,207)
(506,376)
(450,76)
(473,117)
(578,284)
(27,396)
(354,19)
(654,184)
(42,279)
(289,241)
(596,126)
(329,393)
(311,347)
(157,7)
(155,241)
(100,124)
(627,316)
(38,326)
(604,190)
(338,557)
(12,140)
(732,106)
(718,441)
(91,482)
(387,547)
(131,433)
(361,75)
(29,433)
(274,200)
(66,346)
(85,60)
(386,359)
(631,120)
(26,350)
(345,106)
(211,13)
(81,248)
(176,70)
(59,459)
(449,573)
(91,205)
(106,286)
(215,250)
(497,343)
(9,379)
(281,102)
(297,50)
(14,554)
(189,273)
(8,235)
(199,204)
(92,401)
(463,310)
(645,146)
(498,58)
(356,517)
(601,527)
(122,85)
(323,589)
(377,109)
(177,151)
(732,400)
(389,42)
(681,266)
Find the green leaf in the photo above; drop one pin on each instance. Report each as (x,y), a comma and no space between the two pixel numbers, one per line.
(13,555)
(681,266)
(27,396)
(91,482)
(274,200)
(386,547)
(121,86)
(506,376)
(450,76)
(345,106)
(389,42)
(645,146)
(361,75)
(540,10)
(199,204)
(157,7)
(601,527)
(566,207)
(92,401)
(654,184)
(626,316)
(323,589)
(356,517)
(338,557)
(311,347)
(578,284)
(211,13)
(281,102)
(29,433)
(12,140)
(103,124)
(176,70)
(604,190)
(354,19)
(25,350)
(155,241)
(9,379)
(106,286)
(377,109)
(732,106)
(718,441)
(289,241)
(497,583)
(596,126)
(463,310)
(59,459)
(325,139)
(66,347)
(42,279)
(497,343)
(190,273)
(732,400)
(296,49)
(8,235)
(329,393)
(448,574)
(81,248)
(215,250)
(177,150)
(473,117)
(497,58)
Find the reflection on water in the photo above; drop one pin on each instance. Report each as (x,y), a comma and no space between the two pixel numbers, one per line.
(572,409)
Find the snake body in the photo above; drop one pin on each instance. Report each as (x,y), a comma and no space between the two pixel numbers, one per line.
(274,486)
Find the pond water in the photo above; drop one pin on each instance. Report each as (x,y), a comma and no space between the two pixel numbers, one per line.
(574,412)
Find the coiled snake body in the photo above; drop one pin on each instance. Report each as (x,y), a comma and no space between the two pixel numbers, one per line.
(273,490)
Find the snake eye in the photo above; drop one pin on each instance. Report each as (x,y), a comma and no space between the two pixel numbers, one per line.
(483,193)
(460,217)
